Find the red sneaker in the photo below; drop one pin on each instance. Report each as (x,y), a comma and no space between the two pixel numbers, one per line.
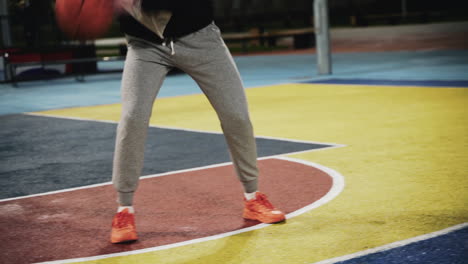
(262,210)
(123,227)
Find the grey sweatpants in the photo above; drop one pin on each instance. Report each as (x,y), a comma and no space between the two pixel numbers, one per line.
(204,56)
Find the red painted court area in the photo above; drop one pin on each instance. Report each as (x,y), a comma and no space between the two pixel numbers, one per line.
(170,208)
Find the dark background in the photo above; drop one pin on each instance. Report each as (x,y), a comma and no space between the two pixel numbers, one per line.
(33,23)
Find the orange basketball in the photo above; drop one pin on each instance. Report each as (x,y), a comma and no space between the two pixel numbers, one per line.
(84,19)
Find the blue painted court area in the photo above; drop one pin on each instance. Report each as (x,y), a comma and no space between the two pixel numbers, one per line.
(433,66)
(451,248)
(69,163)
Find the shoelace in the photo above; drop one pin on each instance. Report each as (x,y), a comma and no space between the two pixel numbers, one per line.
(261,198)
(124,220)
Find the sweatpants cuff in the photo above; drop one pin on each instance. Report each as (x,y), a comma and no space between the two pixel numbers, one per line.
(126,198)
(250,186)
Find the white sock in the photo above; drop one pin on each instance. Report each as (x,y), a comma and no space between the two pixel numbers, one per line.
(130,209)
(250,196)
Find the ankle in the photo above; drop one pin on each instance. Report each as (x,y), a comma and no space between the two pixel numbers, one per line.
(130,209)
(250,196)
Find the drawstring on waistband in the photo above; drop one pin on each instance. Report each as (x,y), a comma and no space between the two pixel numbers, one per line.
(171,45)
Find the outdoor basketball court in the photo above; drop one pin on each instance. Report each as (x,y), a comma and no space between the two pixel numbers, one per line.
(370,164)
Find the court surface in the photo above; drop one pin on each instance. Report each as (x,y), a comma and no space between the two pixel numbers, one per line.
(370,164)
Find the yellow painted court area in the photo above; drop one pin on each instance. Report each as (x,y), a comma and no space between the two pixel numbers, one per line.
(405,167)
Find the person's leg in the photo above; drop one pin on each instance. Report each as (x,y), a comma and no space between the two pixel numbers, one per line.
(206,59)
(143,75)
(142,78)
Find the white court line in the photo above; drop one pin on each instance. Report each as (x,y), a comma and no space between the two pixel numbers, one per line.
(394,245)
(109,183)
(332,145)
(337,188)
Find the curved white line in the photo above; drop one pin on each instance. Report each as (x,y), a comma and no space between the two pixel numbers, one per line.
(337,187)
(331,146)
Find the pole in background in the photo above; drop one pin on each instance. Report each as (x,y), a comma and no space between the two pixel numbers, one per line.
(404,10)
(322,37)
(4,24)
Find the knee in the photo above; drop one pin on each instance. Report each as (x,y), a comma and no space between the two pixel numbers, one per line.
(133,122)
(237,120)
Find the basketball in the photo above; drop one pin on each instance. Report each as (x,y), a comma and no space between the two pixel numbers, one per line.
(84,19)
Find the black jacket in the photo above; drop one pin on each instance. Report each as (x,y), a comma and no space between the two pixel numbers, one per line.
(188,16)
